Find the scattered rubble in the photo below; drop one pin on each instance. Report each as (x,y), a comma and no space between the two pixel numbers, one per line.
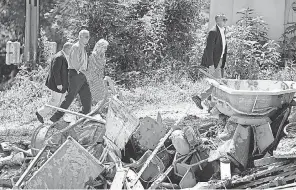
(112,149)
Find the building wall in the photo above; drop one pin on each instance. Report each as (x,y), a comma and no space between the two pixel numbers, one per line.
(290,14)
(273,12)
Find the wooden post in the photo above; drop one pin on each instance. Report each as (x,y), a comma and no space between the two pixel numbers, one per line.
(27,31)
(32,31)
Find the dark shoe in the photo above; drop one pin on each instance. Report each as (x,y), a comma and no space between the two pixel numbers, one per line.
(39,117)
(54,119)
(197,101)
(56,116)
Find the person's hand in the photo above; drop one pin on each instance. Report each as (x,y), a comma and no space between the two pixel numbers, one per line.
(60,87)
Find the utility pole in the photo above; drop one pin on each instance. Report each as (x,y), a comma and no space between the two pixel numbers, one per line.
(31,32)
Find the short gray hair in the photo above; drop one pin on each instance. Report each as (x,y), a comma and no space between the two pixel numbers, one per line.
(83,32)
(218,16)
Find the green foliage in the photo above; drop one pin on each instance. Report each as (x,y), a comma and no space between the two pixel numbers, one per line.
(257,27)
(179,21)
(288,44)
(248,58)
(12,18)
(144,35)
(24,97)
(197,51)
(250,52)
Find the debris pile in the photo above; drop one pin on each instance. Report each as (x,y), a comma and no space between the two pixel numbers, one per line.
(113,149)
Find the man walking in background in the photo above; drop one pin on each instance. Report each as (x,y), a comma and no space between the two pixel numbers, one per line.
(214,56)
(57,80)
(77,80)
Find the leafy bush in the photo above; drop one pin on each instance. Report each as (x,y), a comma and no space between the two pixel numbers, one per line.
(248,58)
(288,45)
(144,35)
(251,55)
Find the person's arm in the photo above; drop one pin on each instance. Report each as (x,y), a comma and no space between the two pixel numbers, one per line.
(210,47)
(56,68)
(64,73)
(75,58)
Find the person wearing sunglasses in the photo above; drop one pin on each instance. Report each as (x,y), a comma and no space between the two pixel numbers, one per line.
(214,57)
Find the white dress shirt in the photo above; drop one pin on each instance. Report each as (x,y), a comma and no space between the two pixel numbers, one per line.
(222,32)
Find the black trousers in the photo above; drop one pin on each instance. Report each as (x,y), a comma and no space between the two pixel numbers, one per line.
(77,85)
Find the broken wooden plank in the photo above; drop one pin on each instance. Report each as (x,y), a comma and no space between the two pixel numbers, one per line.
(121,123)
(266,161)
(96,110)
(255,173)
(292,185)
(263,168)
(131,175)
(278,181)
(257,182)
(119,178)
(155,167)
(100,120)
(269,170)
(160,144)
(250,120)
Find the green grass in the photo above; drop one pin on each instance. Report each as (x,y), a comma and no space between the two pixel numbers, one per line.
(162,94)
(28,93)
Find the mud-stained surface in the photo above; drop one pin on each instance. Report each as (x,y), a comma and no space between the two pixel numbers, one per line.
(69,167)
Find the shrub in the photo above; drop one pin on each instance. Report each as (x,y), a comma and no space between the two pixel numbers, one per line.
(248,58)
(251,54)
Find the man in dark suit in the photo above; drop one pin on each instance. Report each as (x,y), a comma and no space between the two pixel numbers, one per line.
(78,85)
(57,80)
(214,56)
